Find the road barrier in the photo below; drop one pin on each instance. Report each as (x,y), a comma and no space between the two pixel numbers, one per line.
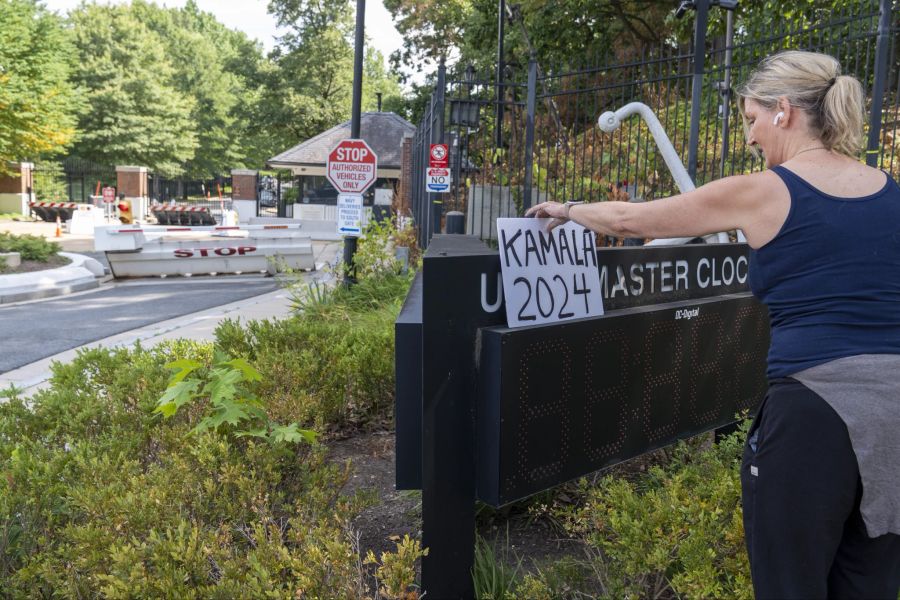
(162,251)
(50,211)
(182,215)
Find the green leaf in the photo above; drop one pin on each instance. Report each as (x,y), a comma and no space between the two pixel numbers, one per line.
(222,385)
(176,396)
(184,366)
(246,369)
(292,433)
(229,412)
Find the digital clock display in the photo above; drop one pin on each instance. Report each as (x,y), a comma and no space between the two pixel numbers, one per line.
(559,401)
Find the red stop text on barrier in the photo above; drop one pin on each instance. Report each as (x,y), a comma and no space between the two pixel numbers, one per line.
(214,252)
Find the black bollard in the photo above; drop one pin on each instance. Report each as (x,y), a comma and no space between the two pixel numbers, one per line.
(455,222)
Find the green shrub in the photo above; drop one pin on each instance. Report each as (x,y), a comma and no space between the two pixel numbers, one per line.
(3,264)
(675,531)
(224,389)
(100,497)
(333,369)
(332,363)
(375,253)
(31,247)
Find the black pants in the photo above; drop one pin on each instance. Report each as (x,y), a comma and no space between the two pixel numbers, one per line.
(801,492)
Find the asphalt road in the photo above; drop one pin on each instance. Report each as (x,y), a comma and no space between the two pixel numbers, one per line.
(30,332)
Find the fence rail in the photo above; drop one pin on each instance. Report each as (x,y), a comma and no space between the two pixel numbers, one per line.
(537,138)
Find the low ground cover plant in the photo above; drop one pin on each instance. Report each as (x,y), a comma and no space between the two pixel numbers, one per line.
(31,247)
(673,531)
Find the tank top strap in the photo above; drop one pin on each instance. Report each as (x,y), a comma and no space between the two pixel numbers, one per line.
(794,184)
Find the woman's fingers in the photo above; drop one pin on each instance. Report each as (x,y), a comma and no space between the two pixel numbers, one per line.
(542,210)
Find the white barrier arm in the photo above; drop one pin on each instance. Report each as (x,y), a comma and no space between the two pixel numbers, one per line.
(610,121)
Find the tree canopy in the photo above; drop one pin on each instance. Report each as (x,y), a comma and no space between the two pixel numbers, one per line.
(36,99)
(174,89)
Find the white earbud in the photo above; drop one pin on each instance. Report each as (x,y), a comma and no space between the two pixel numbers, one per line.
(778,118)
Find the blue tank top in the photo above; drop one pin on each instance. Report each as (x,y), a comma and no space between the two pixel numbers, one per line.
(830,277)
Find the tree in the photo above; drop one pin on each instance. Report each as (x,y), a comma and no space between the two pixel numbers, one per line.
(378,80)
(217,68)
(134,114)
(310,87)
(36,99)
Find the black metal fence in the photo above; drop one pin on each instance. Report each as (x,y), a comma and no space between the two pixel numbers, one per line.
(534,136)
(277,194)
(71,180)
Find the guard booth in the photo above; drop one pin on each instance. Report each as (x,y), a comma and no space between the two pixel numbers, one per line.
(489,413)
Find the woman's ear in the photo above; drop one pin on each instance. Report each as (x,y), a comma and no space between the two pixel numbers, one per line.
(784,111)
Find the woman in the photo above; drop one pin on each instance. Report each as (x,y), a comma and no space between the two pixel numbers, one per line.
(821,491)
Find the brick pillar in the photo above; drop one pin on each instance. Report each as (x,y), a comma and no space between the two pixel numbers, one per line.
(406,178)
(245,193)
(244,184)
(132,182)
(17,189)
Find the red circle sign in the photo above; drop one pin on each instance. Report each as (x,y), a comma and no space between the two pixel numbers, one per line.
(352,167)
(439,152)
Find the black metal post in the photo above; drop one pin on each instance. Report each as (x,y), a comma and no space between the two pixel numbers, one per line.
(725,89)
(882,48)
(700,23)
(358,48)
(498,126)
(529,133)
(437,137)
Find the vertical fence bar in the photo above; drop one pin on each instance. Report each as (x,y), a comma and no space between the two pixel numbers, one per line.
(498,126)
(529,133)
(437,137)
(726,89)
(697,92)
(881,72)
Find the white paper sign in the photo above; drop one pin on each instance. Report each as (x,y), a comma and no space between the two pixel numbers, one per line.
(548,276)
(349,214)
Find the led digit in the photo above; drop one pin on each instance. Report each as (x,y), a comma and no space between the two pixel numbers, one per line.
(706,337)
(660,384)
(610,369)
(545,383)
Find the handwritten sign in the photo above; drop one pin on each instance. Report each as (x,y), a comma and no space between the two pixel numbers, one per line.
(548,276)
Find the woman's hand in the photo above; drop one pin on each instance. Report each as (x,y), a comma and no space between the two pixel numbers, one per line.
(557,211)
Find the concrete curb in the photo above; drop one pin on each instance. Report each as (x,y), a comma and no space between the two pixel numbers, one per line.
(79,275)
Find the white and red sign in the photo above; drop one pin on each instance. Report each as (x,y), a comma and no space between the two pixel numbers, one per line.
(109,195)
(437,175)
(439,157)
(352,167)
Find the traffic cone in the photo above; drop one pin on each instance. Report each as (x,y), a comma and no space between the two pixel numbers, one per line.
(58,227)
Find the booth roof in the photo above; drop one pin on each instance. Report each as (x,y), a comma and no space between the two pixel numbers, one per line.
(383,131)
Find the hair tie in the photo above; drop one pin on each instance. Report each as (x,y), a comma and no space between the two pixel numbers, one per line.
(832,81)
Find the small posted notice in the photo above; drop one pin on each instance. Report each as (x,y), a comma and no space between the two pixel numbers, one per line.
(548,276)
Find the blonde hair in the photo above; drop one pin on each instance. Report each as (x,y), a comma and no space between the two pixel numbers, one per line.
(812,82)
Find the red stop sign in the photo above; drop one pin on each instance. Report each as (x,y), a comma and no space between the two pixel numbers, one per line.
(352,167)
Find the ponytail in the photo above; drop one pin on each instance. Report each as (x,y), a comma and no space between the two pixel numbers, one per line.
(842,116)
